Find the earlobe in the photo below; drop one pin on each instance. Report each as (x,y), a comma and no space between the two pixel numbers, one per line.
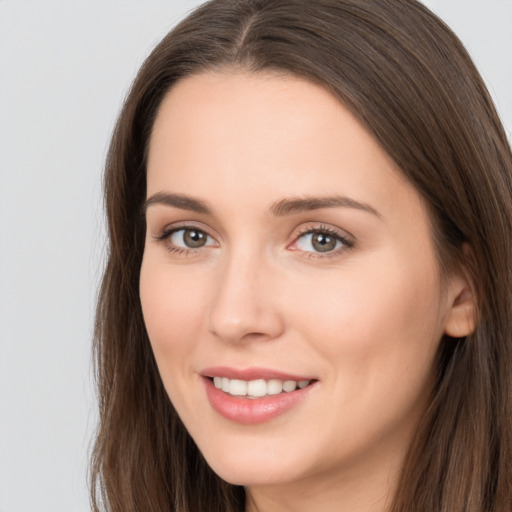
(461,318)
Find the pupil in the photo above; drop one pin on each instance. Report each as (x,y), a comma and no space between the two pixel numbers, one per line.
(194,238)
(323,242)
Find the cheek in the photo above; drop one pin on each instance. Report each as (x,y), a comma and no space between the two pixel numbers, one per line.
(172,305)
(380,326)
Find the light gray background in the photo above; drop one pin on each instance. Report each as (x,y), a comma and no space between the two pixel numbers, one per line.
(64,69)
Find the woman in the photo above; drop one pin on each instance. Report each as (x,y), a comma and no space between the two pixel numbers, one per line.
(307,302)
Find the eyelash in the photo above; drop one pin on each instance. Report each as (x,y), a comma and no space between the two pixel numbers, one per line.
(322,229)
(180,251)
(347,244)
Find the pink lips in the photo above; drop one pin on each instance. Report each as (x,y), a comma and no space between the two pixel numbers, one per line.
(252,411)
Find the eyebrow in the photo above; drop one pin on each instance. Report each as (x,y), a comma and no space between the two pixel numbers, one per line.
(177,201)
(281,208)
(291,206)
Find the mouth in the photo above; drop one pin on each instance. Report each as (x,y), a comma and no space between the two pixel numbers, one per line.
(254,396)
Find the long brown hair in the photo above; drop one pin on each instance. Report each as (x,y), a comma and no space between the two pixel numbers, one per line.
(408,79)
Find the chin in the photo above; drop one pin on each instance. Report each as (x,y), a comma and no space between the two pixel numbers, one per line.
(246,473)
(252,461)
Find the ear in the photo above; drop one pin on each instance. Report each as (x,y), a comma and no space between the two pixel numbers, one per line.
(461,318)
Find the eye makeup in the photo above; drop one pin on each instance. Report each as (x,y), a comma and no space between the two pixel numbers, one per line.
(312,241)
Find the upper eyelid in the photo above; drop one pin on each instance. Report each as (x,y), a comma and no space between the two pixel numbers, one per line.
(176,226)
(341,233)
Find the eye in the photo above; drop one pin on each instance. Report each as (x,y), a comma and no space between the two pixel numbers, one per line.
(189,238)
(321,241)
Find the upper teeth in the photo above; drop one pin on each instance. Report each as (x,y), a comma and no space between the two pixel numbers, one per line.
(257,388)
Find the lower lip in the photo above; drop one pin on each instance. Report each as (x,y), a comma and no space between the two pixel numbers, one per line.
(250,411)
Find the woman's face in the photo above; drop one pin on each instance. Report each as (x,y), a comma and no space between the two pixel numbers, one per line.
(284,248)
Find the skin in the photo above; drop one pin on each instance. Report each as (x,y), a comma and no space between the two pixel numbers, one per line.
(365,320)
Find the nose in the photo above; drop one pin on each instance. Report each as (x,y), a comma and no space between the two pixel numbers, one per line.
(244,304)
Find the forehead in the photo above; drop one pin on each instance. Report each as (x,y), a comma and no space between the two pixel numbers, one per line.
(235,134)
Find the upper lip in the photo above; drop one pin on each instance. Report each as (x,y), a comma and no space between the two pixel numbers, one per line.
(252,373)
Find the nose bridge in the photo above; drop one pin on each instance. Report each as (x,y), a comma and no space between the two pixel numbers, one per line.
(242,304)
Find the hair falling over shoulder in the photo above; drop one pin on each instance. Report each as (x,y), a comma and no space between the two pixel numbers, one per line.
(409,80)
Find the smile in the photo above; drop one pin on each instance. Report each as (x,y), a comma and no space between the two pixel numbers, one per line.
(257,388)
(254,396)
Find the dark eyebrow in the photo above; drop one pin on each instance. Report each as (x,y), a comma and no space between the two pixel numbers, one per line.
(291,206)
(178,201)
(279,209)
